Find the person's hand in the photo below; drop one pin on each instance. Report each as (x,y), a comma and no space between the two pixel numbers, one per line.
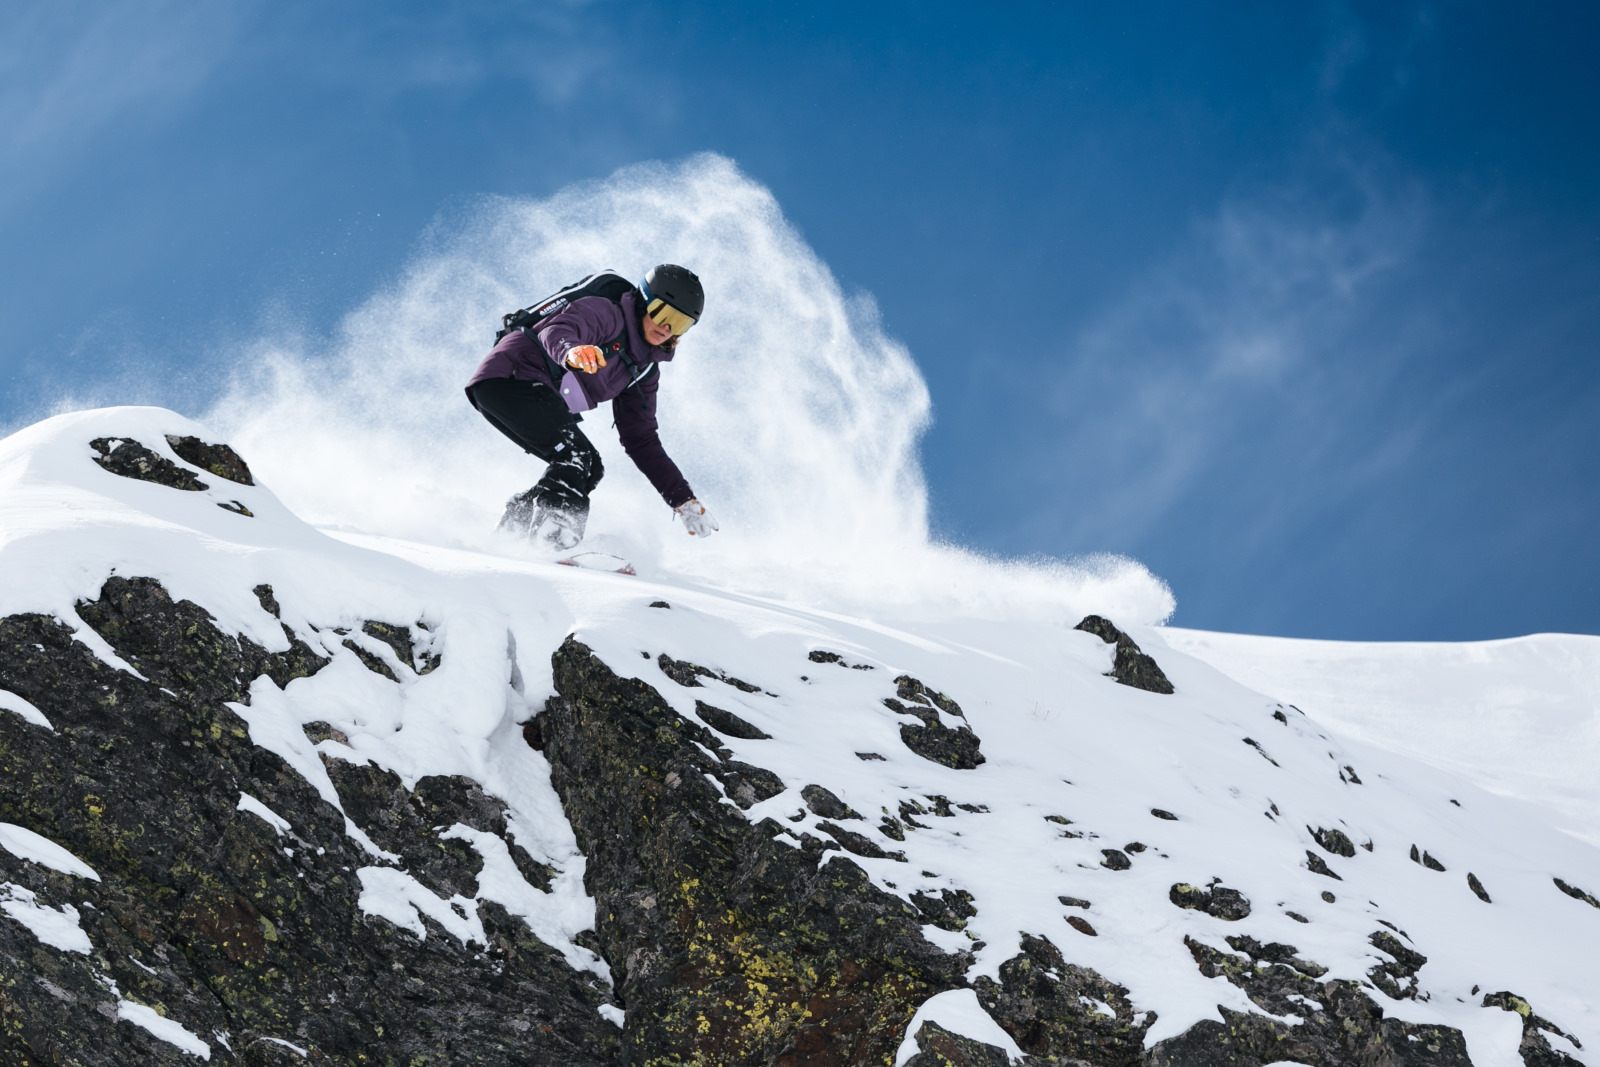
(696,519)
(586,358)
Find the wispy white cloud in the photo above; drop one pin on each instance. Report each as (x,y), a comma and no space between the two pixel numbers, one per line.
(1255,334)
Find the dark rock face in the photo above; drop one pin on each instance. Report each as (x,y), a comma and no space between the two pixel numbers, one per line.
(1426,860)
(204,911)
(858,844)
(726,722)
(1570,890)
(747,784)
(1397,979)
(683,672)
(823,802)
(1477,888)
(1226,904)
(130,459)
(1131,666)
(1348,1028)
(1040,1002)
(1317,865)
(1334,841)
(401,639)
(1535,1048)
(689,674)
(909,688)
(220,460)
(1082,925)
(820,656)
(727,945)
(933,740)
(936,742)
(941,1048)
(950,910)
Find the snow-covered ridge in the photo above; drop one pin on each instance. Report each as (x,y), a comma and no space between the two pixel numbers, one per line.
(1520,717)
(1094,800)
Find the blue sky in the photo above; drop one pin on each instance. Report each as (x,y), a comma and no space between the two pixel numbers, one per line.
(1297,304)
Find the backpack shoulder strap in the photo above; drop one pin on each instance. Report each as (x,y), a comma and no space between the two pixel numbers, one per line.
(607,284)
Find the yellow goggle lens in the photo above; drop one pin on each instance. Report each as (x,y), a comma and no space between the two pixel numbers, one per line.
(664,314)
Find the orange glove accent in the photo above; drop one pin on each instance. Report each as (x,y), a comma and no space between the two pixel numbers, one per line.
(696,519)
(586,358)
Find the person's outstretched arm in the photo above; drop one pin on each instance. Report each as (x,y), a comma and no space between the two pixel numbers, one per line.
(635,412)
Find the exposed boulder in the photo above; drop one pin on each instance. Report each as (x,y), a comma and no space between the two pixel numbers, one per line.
(823,802)
(1397,978)
(1535,1048)
(1570,890)
(1339,1023)
(1060,1013)
(1335,841)
(942,1048)
(1130,666)
(130,459)
(950,910)
(820,656)
(933,740)
(689,674)
(220,460)
(726,722)
(909,688)
(1223,903)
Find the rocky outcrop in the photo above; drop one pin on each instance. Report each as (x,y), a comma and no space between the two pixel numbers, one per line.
(220,460)
(942,1048)
(730,942)
(130,459)
(1338,1022)
(1130,666)
(245,934)
(959,748)
(1223,903)
(1060,1013)
(1535,1049)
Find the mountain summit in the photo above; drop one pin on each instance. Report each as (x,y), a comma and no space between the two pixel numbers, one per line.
(270,795)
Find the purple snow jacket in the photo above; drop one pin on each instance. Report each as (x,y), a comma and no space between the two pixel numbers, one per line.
(597,321)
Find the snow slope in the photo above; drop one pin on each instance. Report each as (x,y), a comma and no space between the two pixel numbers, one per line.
(1075,763)
(1519,717)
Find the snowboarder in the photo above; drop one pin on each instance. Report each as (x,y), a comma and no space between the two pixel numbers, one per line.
(536,382)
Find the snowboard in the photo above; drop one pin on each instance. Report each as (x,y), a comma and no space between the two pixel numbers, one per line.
(599,561)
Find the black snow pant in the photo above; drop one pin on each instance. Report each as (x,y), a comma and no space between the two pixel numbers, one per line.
(532,415)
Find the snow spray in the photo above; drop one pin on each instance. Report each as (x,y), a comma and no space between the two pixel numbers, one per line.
(795,417)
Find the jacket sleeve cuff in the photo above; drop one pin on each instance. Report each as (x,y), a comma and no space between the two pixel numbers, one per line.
(572,393)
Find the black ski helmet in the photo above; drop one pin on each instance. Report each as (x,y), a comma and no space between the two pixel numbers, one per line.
(677,285)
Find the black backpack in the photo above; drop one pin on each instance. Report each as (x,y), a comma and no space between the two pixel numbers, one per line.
(608,285)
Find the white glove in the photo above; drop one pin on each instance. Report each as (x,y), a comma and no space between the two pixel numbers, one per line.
(696,519)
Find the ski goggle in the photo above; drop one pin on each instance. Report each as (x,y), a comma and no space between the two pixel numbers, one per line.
(664,314)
